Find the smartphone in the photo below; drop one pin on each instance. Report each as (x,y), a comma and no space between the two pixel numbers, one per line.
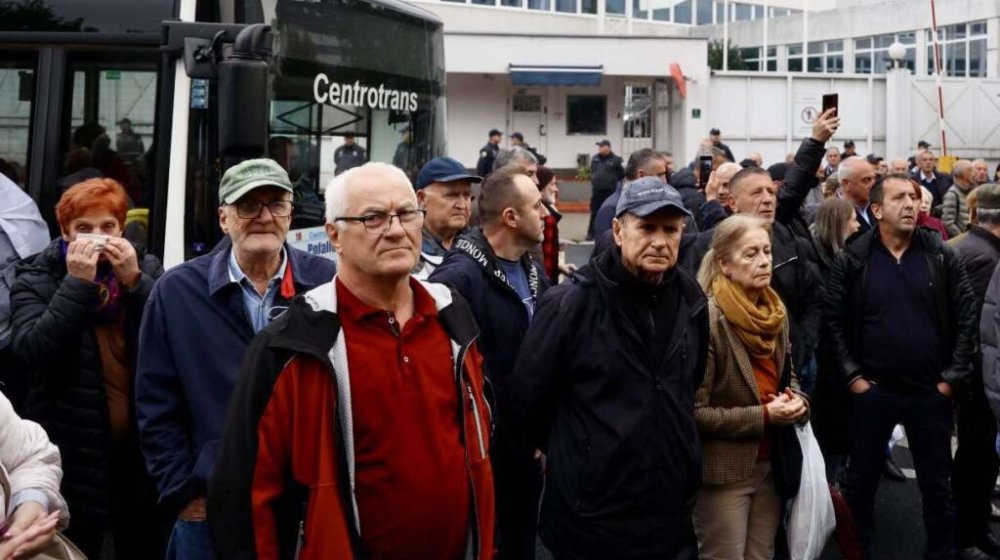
(704,170)
(830,101)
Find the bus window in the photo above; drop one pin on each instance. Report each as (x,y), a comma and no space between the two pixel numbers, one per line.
(109,129)
(17,86)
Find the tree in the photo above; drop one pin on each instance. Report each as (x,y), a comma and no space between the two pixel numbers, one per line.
(715,56)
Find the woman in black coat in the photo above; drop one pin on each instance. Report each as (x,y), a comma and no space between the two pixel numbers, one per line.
(76,309)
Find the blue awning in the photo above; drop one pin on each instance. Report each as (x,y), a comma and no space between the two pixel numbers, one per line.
(556,75)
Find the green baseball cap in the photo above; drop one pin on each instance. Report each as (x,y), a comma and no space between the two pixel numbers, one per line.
(249,175)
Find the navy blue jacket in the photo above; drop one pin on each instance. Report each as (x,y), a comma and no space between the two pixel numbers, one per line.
(191,344)
(617,421)
(503,320)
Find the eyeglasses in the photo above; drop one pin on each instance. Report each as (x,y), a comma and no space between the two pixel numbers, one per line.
(380,222)
(251,210)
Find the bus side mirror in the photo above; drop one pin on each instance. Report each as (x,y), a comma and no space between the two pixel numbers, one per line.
(243,117)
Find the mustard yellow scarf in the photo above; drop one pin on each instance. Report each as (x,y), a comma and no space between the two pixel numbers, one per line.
(757,323)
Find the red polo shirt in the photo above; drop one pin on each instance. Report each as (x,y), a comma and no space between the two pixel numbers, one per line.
(412,486)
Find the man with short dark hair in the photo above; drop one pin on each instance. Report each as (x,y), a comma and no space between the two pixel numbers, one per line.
(849,150)
(716,137)
(928,176)
(976,462)
(605,171)
(349,155)
(642,163)
(604,384)
(493,269)
(900,318)
(517,139)
(488,153)
(444,191)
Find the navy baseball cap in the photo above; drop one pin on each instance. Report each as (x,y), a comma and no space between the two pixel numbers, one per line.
(495,132)
(444,170)
(647,196)
(518,135)
(604,142)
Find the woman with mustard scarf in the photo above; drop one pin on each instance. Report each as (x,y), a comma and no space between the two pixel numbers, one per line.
(748,391)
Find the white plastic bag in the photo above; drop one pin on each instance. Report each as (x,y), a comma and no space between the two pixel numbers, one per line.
(812,519)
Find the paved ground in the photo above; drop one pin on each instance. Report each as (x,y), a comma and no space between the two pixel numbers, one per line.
(899,528)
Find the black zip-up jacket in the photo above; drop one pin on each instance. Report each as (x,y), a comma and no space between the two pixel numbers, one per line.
(800,179)
(470,269)
(624,457)
(53,326)
(957,315)
(606,171)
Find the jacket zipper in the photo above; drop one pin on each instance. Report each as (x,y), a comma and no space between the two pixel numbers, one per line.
(783,263)
(479,426)
(459,368)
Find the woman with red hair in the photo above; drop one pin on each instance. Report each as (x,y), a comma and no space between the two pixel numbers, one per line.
(75,314)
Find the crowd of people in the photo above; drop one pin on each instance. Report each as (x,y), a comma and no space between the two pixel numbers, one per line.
(450,389)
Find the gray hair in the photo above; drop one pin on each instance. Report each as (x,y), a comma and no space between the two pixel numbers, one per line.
(336,190)
(849,167)
(514,156)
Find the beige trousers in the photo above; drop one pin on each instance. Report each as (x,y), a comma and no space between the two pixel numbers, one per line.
(738,521)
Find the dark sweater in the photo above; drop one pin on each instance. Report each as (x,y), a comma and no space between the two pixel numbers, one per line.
(901,347)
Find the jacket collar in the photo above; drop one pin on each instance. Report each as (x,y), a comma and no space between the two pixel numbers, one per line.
(305,277)
(861,248)
(318,307)
(599,271)
(475,246)
(985,235)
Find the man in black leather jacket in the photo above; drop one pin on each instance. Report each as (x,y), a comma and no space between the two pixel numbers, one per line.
(900,317)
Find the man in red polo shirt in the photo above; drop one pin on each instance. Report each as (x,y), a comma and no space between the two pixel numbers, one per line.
(359,426)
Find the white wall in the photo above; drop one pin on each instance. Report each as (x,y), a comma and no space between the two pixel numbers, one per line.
(758,112)
(476,103)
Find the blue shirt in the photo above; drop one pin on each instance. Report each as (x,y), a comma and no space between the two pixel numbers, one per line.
(258,307)
(518,279)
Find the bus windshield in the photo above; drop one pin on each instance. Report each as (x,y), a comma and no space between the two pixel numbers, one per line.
(350,82)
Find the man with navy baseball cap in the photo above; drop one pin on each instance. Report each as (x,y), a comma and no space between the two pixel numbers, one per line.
(444,191)
(634,325)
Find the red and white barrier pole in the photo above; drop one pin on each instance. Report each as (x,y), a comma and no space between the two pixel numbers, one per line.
(937,76)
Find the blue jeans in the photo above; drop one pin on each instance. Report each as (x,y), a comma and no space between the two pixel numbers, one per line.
(190,540)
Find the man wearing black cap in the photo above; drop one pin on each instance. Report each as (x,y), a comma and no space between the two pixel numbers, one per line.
(349,155)
(604,384)
(517,139)
(849,150)
(606,170)
(488,153)
(493,269)
(716,137)
(444,191)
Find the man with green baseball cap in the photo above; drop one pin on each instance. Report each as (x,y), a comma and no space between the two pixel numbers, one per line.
(199,321)
(252,174)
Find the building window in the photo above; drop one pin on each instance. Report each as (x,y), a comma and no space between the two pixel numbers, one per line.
(614,7)
(720,12)
(660,9)
(682,12)
(743,12)
(586,114)
(795,57)
(588,6)
(778,12)
(525,103)
(638,117)
(539,5)
(963,50)
(704,12)
(871,54)
(825,57)
(752,61)
(640,9)
(566,6)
